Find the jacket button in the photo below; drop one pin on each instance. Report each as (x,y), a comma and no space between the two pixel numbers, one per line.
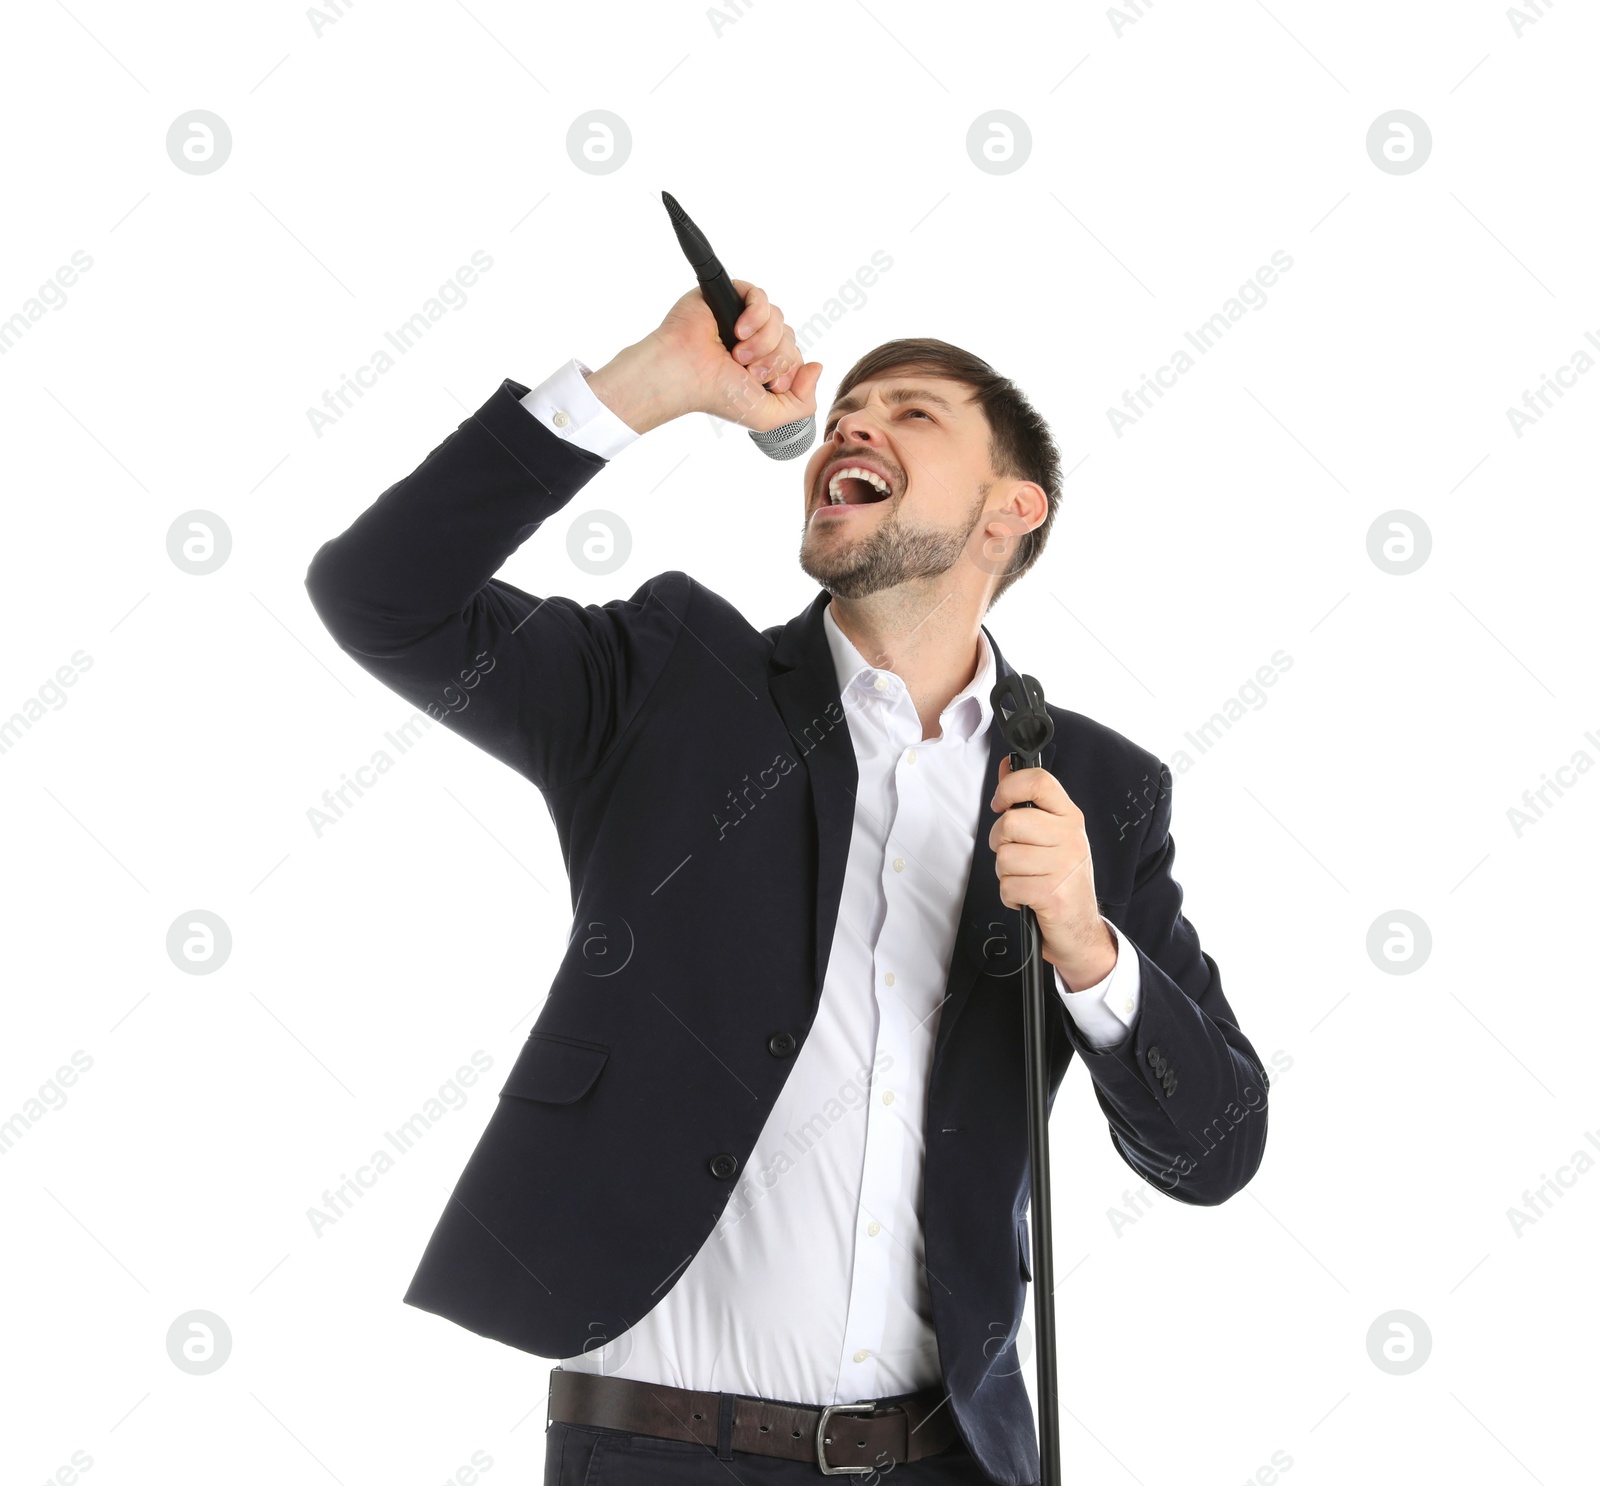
(723,1165)
(780,1044)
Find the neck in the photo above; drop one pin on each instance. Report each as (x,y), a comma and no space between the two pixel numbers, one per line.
(927,637)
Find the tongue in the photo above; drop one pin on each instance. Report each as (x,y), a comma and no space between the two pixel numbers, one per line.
(859,492)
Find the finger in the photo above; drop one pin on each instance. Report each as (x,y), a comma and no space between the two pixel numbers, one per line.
(758,348)
(1036,784)
(1014,786)
(765,344)
(1036,827)
(804,386)
(1018,859)
(783,363)
(755,312)
(1038,865)
(761,347)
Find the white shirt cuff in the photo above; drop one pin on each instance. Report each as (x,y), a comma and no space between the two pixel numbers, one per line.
(1106,1010)
(566,406)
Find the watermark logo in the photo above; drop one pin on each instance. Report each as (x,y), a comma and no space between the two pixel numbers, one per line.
(199,142)
(199,1342)
(1399,942)
(599,142)
(1399,1342)
(603,947)
(1399,542)
(999,142)
(198,542)
(1000,1343)
(199,942)
(599,542)
(1399,142)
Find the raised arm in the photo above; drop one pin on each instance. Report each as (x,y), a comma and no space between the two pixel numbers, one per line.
(547,685)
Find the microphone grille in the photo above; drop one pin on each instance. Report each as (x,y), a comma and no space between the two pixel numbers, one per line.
(788,441)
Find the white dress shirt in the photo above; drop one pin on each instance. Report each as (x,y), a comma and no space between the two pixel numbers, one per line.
(811,1289)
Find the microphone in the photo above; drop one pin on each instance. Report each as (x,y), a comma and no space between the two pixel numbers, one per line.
(792,439)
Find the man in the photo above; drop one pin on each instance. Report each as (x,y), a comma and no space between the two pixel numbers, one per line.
(765,1150)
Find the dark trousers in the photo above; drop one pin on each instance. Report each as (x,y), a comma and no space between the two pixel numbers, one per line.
(576,1455)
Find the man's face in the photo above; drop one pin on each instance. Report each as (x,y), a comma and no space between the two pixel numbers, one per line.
(929,443)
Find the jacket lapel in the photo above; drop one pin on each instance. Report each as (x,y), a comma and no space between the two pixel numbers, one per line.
(806,691)
(989,935)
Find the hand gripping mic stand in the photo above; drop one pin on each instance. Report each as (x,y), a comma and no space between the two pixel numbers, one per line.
(1019,706)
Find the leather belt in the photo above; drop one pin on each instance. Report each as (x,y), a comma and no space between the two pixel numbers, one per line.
(844,1439)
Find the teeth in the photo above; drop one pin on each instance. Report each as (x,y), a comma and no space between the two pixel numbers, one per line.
(870,476)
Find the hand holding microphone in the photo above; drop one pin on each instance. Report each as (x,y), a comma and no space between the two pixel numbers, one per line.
(686,365)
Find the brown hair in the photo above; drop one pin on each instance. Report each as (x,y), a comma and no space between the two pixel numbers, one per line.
(1021,446)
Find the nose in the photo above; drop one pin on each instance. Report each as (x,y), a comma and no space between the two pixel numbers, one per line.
(856,428)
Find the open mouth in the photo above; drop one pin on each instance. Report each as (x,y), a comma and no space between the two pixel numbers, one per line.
(855,485)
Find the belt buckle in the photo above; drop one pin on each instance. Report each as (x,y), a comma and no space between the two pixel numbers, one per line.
(822,1429)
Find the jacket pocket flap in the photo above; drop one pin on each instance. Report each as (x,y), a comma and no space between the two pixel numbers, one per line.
(555,1070)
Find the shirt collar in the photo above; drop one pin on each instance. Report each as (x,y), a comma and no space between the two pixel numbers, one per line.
(969,711)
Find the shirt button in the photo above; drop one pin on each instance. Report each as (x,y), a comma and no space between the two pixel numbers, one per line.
(888,977)
(899,864)
(874,1229)
(879,683)
(862,1356)
(561,420)
(888,1096)
(1128,1004)
(911,755)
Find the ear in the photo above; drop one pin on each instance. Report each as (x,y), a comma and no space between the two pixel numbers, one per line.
(1030,503)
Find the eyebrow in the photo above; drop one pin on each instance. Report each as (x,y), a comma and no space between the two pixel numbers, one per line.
(894,396)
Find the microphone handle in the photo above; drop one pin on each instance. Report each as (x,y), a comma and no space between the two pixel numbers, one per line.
(790,440)
(718,291)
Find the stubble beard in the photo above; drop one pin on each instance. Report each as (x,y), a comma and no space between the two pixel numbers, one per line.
(891,554)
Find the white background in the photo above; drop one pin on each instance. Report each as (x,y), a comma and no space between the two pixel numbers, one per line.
(1171,155)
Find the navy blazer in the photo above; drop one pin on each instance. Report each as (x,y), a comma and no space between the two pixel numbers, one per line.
(701,778)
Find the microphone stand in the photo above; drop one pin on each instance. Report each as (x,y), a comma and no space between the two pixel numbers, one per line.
(1018,704)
